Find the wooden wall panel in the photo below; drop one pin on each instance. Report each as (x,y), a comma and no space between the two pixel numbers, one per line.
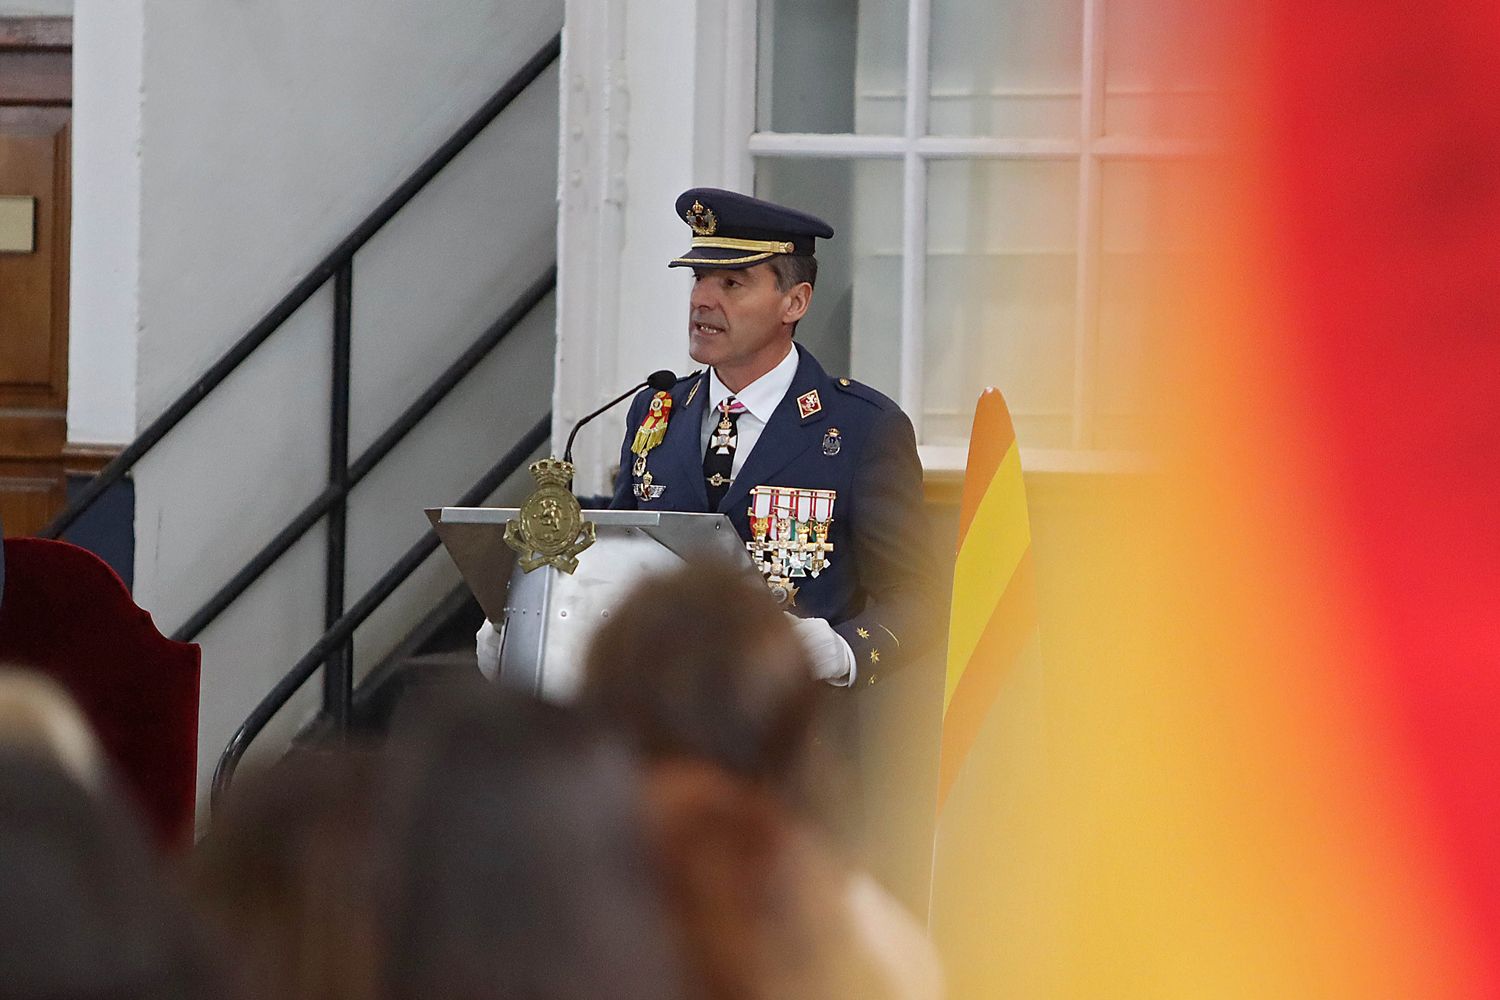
(30,495)
(34,286)
(35,94)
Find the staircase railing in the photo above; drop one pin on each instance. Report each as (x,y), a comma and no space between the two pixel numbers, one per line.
(342,629)
(333,651)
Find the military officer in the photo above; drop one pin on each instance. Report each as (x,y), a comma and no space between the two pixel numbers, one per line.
(819,475)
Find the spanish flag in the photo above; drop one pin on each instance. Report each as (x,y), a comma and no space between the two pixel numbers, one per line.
(991,756)
(993,619)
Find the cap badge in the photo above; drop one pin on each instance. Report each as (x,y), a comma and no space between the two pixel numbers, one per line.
(808,404)
(703,220)
(833,442)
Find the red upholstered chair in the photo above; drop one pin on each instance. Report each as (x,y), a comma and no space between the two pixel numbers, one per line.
(67,615)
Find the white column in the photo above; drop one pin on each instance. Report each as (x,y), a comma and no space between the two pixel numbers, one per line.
(657,98)
(104,298)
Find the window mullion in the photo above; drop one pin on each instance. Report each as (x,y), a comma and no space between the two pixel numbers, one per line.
(1090,194)
(914,212)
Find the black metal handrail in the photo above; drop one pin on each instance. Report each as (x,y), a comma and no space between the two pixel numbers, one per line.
(338,259)
(334,651)
(332,497)
(339,633)
(343,476)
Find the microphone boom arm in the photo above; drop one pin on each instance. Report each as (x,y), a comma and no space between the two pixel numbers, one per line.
(661,380)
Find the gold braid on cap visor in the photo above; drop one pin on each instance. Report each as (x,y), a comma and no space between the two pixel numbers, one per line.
(754,246)
(761,250)
(754,258)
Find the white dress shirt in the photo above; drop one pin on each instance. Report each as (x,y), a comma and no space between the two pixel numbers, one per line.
(760,399)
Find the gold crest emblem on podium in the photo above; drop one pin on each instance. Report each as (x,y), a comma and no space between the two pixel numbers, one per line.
(550,530)
(789,535)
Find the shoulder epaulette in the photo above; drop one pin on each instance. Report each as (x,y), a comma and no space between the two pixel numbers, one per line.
(861,391)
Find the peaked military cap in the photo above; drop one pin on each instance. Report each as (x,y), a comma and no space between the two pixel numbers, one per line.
(732,230)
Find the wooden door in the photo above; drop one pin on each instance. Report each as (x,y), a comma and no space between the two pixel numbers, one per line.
(35,115)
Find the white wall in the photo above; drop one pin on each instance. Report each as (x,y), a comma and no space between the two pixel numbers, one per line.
(36,8)
(266,131)
(104,309)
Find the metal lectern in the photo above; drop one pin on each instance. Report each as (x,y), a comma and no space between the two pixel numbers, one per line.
(546,617)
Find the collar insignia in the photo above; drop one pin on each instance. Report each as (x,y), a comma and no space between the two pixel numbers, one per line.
(809,404)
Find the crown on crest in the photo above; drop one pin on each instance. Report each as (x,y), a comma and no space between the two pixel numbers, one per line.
(552,472)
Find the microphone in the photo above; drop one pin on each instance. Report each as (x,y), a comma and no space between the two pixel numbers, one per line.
(661,381)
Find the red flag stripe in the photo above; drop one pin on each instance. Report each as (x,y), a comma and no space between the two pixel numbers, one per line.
(992,436)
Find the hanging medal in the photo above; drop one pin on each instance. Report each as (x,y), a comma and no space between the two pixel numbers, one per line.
(654,427)
(652,431)
(724,437)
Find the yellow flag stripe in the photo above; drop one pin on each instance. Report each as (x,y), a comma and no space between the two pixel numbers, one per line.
(997,539)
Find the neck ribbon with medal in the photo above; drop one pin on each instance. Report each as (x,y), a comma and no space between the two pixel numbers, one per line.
(650,434)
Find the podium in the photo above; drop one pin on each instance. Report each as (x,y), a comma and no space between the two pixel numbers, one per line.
(546,618)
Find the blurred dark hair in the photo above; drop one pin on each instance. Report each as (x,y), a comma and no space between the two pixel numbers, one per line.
(526,873)
(761,903)
(292,869)
(702,664)
(86,910)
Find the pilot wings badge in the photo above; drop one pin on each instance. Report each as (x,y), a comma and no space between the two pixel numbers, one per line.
(550,530)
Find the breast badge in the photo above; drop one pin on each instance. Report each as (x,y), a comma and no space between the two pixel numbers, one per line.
(789,535)
(652,431)
(646,490)
(833,442)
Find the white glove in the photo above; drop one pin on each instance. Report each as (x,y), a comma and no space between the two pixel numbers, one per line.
(487,649)
(832,659)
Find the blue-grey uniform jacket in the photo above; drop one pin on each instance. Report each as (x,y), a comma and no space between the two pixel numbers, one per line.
(879,590)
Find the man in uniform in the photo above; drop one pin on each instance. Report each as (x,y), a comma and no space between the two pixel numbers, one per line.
(819,475)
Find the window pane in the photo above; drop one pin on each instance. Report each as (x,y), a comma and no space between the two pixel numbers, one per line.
(1001,277)
(854,324)
(1149,250)
(832,66)
(1163,67)
(1006,68)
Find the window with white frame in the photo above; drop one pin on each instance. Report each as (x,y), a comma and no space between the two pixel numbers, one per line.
(993,171)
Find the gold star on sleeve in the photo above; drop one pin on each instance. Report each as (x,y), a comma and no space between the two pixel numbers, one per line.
(874,656)
(862,633)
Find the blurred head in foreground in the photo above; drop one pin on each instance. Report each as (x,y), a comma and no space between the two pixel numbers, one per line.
(526,873)
(291,869)
(759,900)
(37,715)
(491,851)
(85,912)
(702,665)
